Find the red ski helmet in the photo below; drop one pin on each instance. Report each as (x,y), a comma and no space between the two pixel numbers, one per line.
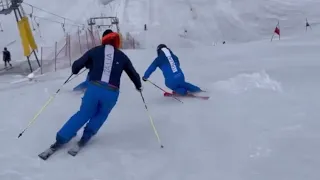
(111,38)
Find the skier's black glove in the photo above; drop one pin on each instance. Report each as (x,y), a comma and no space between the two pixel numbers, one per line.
(144,79)
(139,89)
(75,71)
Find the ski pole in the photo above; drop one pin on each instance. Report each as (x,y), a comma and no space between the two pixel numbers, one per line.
(163,90)
(78,74)
(44,106)
(151,120)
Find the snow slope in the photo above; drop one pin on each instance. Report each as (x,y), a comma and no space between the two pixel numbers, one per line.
(214,21)
(261,123)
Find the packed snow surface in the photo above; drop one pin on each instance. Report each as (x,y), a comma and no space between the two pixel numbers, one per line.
(260,123)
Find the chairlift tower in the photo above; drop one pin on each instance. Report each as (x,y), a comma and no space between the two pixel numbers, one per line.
(6,7)
(114,22)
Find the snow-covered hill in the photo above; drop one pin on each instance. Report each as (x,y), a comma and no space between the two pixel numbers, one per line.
(209,22)
(214,21)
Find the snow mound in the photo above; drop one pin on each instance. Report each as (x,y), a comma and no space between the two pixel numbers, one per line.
(248,82)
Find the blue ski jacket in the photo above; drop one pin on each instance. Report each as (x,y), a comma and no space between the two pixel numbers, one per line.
(106,64)
(168,63)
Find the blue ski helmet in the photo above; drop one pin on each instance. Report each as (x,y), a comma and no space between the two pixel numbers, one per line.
(160,46)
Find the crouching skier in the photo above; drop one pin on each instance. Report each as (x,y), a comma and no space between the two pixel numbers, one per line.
(106,64)
(170,66)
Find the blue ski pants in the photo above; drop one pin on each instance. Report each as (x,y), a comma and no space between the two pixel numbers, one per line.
(96,105)
(180,86)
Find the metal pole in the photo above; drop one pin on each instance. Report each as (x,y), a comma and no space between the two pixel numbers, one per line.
(35,55)
(79,41)
(134,44)
(91,27)
(69,47)
(66,52)
(29,64)
(99,37)
(87,40)
(92,38)
(15,14)
(41,51)
(19,13)
(55,56)
(272,37)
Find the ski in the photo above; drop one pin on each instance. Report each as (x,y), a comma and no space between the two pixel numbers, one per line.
(167,94)
(47,153)
(74,150)
(50,151)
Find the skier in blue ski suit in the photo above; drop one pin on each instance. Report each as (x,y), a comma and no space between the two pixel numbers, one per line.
(173,75)
(106,64)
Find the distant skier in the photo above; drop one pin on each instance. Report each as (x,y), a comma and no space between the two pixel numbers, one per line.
(170,67)
(6,57)
(105,63)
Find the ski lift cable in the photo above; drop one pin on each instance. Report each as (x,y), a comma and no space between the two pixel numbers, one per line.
(35,7)
(55,21)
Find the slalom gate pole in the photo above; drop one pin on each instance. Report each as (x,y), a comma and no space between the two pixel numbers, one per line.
(44,106)
(151,121)
(164,90)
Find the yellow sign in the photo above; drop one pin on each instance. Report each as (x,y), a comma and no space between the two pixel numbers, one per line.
(30,37)
(24,39)
(27,39)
